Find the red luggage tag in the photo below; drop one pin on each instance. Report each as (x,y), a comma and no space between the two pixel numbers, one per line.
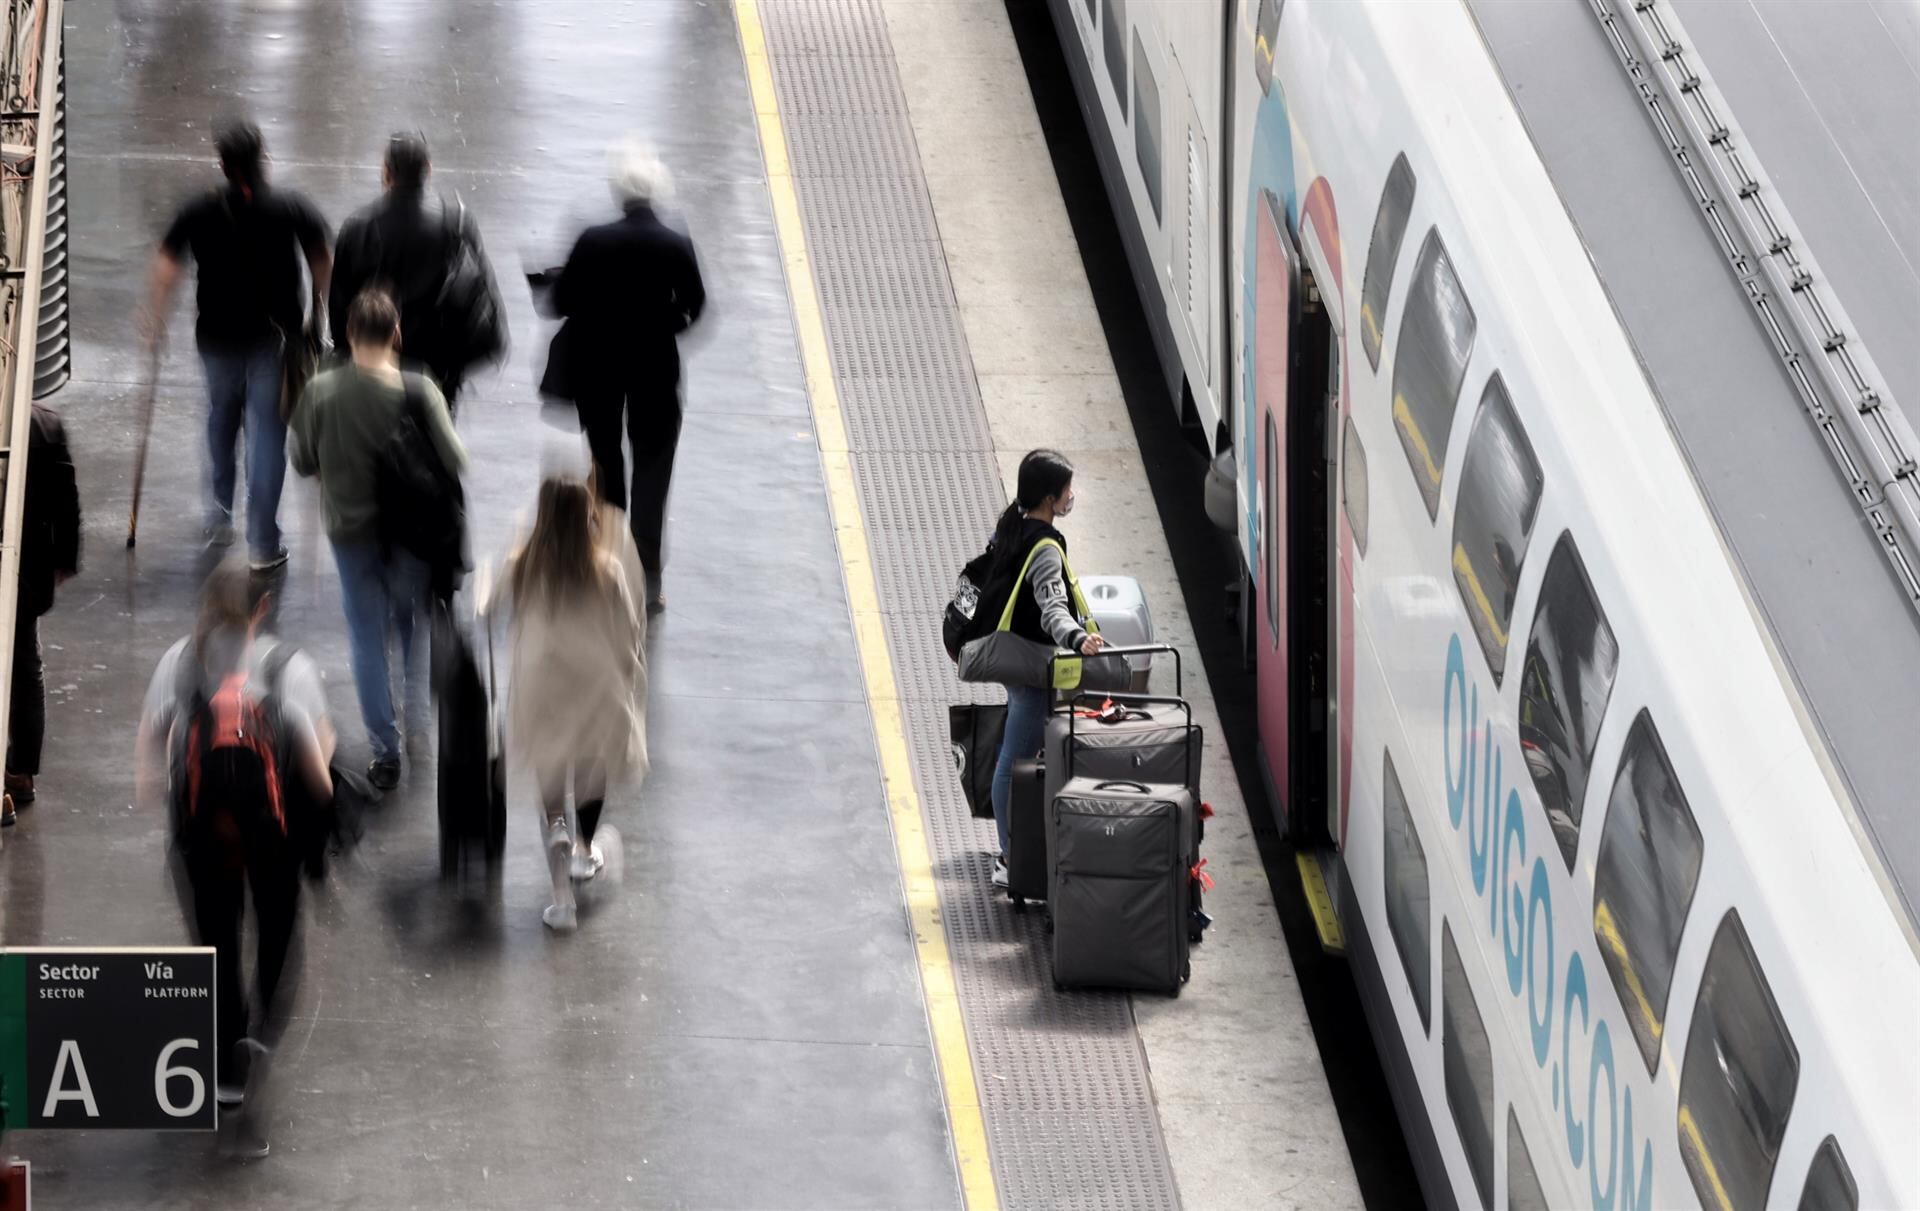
(1200,875)
(1206,811)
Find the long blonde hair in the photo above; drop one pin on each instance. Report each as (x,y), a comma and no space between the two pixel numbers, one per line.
(560,555)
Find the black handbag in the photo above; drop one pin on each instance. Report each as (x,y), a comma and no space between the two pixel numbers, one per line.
(423,508)
(976,730)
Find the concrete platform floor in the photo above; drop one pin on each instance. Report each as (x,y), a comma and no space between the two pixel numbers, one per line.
(740,1023)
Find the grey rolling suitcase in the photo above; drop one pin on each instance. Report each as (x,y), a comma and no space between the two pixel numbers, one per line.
(1121,884)
(1142,739)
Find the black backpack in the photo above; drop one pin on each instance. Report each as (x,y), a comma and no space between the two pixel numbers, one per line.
(960,623)
(423,508)
(472,324)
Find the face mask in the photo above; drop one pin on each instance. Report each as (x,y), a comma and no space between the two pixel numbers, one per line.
(1066,506)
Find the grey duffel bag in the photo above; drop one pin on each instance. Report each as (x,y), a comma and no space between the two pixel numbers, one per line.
(1121,884)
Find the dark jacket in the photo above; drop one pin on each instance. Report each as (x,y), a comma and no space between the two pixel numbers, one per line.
(629,289)
(404,243)
(50,537)
(1043,610)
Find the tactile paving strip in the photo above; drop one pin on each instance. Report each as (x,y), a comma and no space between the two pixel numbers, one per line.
(1063,1080)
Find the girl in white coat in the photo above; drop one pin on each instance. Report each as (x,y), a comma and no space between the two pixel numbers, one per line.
(577,699)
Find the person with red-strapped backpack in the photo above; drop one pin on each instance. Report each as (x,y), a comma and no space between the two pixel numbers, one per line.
(236,741)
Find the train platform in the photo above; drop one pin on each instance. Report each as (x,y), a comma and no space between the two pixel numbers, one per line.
(803,992)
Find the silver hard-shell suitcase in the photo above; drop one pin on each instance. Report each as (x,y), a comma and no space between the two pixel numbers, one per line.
(1121,884)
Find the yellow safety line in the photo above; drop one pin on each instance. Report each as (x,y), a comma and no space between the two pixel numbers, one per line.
(958,1082)
(1326,920)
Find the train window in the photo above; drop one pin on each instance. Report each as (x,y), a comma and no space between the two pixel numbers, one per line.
(1829,1181)
(1467,1059)
(1265,43)
(1353,484)
(1407,900)
(1383,253)
(1436,335)
(1113,38)
(1146,125)
(1738,1082)
(1564,686)
(1643,886)
(1499,494)
(1523,1183)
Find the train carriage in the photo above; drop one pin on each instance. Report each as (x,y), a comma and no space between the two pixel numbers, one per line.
(1600,750)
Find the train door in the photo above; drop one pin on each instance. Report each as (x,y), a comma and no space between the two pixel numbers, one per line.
(1275,291)
(1294,622)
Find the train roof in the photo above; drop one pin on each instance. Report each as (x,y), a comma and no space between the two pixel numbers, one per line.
(1825,95)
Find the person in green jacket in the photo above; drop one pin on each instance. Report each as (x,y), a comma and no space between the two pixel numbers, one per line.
(343,419)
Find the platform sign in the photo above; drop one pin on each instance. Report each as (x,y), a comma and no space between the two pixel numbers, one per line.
(108,1038)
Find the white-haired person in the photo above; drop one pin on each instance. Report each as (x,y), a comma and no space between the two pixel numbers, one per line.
(629,289)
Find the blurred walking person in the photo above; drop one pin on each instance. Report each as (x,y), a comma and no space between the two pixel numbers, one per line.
(49,555)
(343,429)
(235,739)
(247,241)
(629,289)
(425,253)
(577,678)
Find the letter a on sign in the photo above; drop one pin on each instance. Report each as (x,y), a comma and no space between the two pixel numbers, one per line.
(69,1053)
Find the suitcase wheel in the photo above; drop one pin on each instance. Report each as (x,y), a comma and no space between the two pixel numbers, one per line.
(1019,904)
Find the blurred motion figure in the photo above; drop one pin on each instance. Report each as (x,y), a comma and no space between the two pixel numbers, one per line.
(629,289)
(341,430)
(578,676)
(247,240)
(426,255)
(235,739)
(49,554)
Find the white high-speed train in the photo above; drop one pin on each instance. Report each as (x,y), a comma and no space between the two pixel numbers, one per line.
(1535,342)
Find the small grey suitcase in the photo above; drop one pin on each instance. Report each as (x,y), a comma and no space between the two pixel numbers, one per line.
(1143,739)
(1121,884)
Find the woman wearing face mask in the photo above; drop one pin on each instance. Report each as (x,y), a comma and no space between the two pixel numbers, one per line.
(1042,610)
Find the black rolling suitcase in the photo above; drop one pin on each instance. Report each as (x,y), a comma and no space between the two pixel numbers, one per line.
(1121,886)
(472,767)
(1027,833)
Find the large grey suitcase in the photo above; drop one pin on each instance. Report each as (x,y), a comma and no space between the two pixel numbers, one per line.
(1121,884)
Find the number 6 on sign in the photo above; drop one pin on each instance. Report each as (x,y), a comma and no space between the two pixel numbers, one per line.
(162,1074)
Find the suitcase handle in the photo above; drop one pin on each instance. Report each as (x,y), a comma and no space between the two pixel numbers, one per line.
(1145,649)
(1128,786)
(1129,700)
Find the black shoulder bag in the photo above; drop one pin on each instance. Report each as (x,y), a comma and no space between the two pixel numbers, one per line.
(423,508)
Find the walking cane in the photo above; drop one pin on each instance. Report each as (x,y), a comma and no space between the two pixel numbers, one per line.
(140,458)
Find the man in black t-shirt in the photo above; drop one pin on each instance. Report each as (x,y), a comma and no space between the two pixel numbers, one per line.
(248,242)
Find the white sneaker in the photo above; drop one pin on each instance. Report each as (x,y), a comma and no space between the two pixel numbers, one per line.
(587,861)
(561,918)
(1000,874)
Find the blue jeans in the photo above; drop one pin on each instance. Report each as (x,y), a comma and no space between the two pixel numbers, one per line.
(243,389)
(379,588)
(1026,732)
